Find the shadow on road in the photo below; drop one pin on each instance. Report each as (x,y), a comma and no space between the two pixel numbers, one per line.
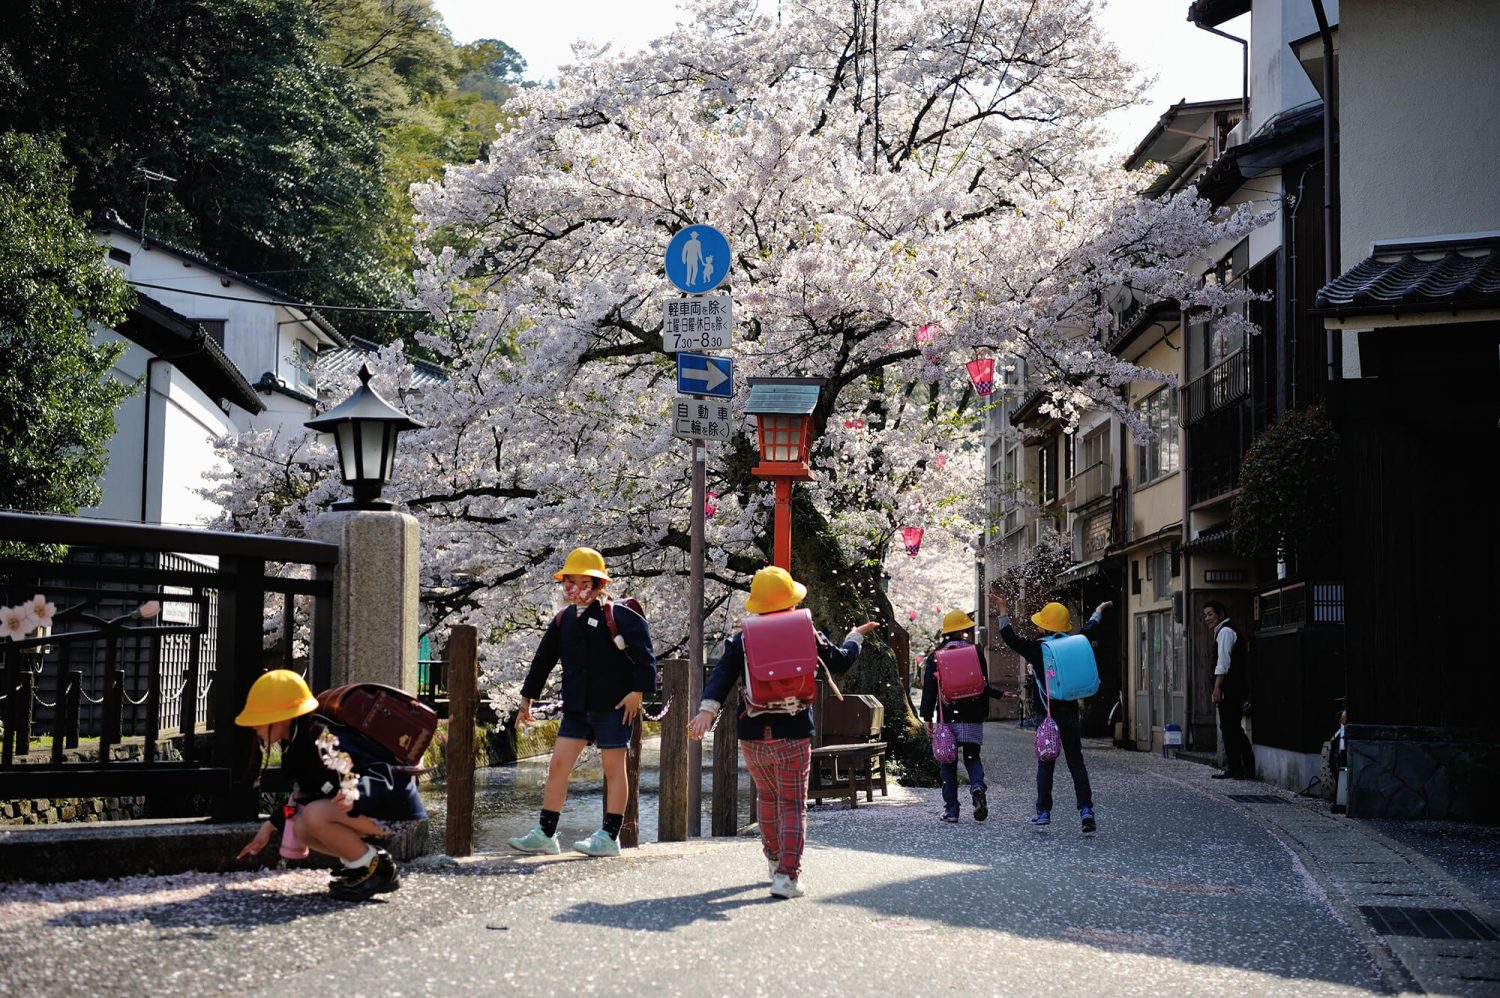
(666,914)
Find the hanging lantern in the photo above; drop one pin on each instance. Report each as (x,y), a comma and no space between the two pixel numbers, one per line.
(982,373)
(926,332)
(709,506)
(911,537)
(911,615)
(940,461)
(854,424)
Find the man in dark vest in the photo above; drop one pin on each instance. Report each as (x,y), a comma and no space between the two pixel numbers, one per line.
(1231,688)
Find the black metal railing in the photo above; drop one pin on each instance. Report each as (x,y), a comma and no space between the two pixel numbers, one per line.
(115,669)
(1224,384)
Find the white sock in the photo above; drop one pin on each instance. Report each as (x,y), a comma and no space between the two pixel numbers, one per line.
(364,859)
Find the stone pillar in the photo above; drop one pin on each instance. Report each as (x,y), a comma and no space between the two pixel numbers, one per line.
(375,630)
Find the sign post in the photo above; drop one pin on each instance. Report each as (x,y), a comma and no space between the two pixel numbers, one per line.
(697,261)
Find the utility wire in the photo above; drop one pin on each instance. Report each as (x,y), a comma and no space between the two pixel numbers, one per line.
(293,304)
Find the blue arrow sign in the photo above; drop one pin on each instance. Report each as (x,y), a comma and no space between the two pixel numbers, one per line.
(697,259)
(702,374)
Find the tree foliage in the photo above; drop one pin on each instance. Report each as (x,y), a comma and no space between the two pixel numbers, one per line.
(57,393)
(291,129)
(1288,500)
(932,167)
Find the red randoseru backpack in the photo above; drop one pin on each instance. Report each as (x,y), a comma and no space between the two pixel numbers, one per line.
(781,662)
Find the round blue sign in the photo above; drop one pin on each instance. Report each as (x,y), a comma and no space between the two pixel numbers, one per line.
(697,259)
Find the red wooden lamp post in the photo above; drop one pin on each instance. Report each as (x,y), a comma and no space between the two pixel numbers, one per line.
(783,409)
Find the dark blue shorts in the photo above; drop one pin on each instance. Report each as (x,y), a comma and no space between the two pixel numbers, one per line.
(604,728)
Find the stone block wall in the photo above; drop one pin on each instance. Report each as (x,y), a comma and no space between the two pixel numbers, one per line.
(1399,772)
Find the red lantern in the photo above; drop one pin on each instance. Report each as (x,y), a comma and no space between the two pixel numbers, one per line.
(940,461)
(709,506)
(911,615)
(911,537)
(854,424)
(926,332)
(982,373)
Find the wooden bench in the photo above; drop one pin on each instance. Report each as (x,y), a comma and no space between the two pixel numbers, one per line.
(842,770)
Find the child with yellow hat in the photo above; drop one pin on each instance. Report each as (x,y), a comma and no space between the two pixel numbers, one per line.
(776,735)
(966,716)
(1054,619)
(608,666)
(332,810)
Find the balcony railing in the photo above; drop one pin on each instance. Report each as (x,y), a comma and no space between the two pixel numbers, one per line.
(1093,482)
(1220,386)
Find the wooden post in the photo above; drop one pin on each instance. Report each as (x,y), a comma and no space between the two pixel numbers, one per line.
(25,689)
(672,810)
(462,655)
(630,831)
(726,816)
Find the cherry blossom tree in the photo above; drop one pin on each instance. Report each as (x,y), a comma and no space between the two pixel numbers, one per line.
(876,169)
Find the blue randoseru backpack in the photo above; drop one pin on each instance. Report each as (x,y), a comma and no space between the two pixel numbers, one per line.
(1068,661)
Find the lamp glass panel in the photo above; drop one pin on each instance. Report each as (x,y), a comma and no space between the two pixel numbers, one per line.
(343,436)
(372,448)
(388,468)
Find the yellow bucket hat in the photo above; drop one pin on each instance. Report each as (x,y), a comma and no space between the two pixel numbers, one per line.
(774,589)
(278,695)
(956,620)
(583,561)
(1053,617)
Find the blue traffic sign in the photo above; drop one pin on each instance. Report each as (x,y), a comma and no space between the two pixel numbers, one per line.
(697,259)
(704,374)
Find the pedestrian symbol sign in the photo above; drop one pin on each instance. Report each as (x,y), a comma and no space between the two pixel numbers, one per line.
(697,259)
(702,374)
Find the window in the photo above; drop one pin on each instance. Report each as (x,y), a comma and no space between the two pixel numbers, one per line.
(1046,474)
(1159,571)
(119,256)
(213,327)
(1212,342)
(307,360)
(1094,445)
(1156,455)
(1011,472)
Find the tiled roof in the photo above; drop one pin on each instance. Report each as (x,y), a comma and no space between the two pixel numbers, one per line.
(347,360)
(162,331)
(1448,274)
(796,396)
(1216,538)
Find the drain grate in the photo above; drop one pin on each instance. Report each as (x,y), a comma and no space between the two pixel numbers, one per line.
(1258,799)
(1426,923)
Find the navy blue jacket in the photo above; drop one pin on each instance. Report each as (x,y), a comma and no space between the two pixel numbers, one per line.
(386,791)
(596,675)
(1031,650)
(731,669)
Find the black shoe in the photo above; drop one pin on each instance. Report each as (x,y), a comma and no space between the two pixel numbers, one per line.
(379,877)
(981,806)
(1090,826)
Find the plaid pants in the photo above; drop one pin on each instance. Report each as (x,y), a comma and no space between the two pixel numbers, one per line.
(780,767)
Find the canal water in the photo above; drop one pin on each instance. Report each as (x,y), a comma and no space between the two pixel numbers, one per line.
(507,798)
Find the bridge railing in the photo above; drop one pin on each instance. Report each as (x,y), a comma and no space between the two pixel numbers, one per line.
(157,636)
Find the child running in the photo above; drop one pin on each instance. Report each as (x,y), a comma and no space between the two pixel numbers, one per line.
(775,721)
(966,716)
(331,810)
(608,666)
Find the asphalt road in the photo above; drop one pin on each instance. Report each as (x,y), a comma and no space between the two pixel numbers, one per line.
(1183,890)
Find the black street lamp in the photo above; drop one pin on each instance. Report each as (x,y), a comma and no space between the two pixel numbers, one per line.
(364,428)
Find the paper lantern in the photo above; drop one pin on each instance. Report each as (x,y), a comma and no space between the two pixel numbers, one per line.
(709,506)
(982,373)
(926,332)
(911,537)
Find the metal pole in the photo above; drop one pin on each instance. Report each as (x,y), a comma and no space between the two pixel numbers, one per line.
(695,640)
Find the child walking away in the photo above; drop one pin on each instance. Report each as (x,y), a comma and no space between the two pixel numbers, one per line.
(776,657)
(608,666)
(958,673)
(1055,620)
(346,787)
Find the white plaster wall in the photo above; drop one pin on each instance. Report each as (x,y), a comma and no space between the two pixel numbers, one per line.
(1419,120)
(183,422)
(1277,80)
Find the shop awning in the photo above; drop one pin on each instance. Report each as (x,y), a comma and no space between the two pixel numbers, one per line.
(1079,572)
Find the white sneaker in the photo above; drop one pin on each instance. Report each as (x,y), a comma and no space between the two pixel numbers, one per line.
(783,886)
(771,865)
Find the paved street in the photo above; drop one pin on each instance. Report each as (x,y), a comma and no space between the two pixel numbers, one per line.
(1184,890)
